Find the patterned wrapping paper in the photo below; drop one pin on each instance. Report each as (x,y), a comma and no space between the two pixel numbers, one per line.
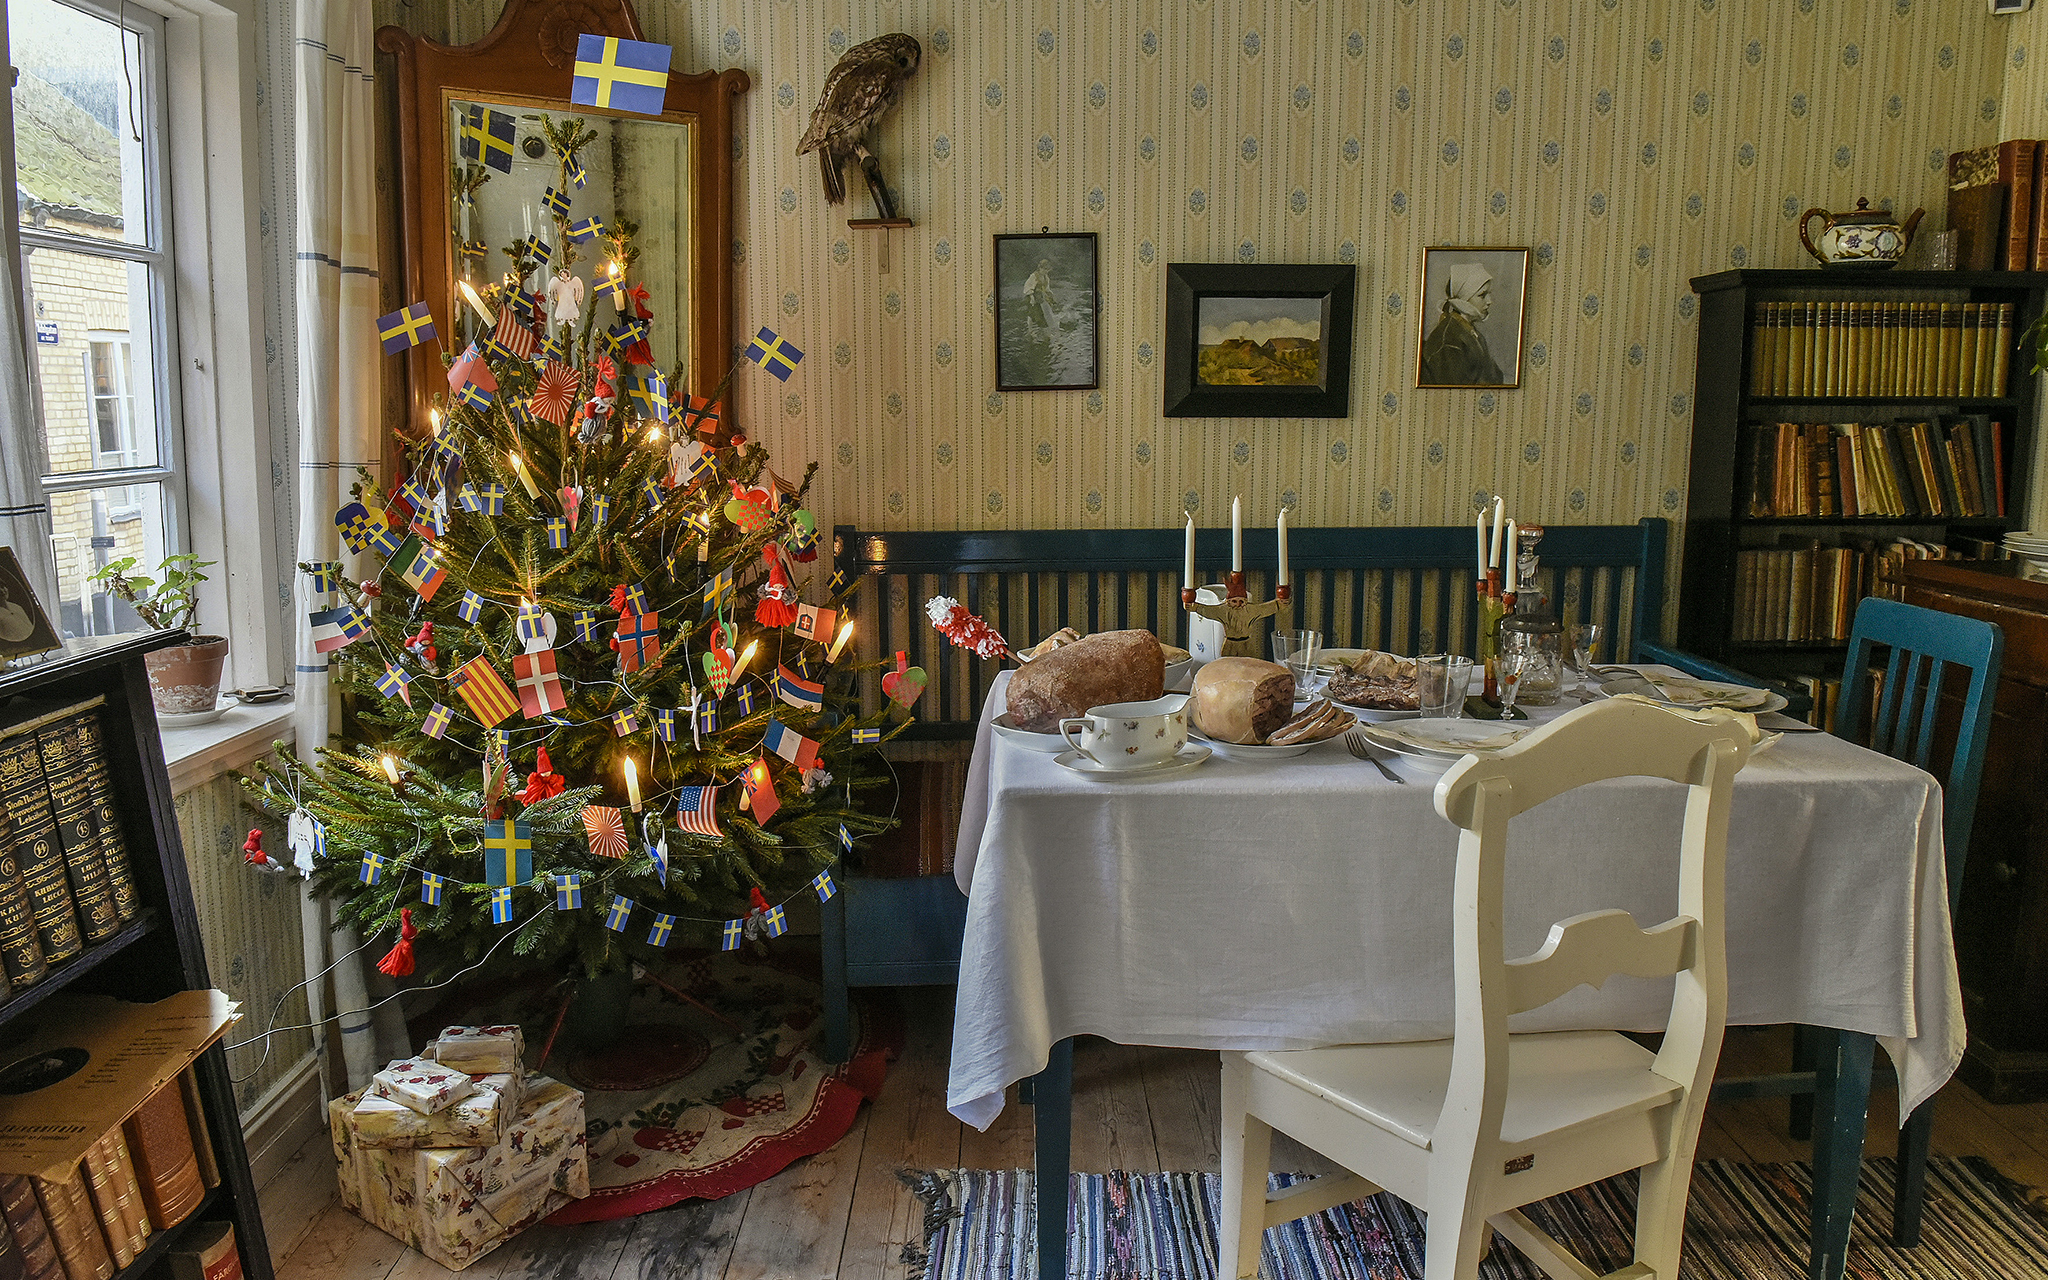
(480,1050)
(422,1084)
(456,1204)
(480,1120)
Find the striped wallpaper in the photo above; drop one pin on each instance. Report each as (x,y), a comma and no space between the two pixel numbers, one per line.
(1630,145)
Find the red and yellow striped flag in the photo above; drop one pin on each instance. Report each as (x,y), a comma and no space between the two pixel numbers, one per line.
(484,690)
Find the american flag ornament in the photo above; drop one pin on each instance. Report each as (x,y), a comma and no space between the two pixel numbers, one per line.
(372,869)
(606,828)
(471,609)
(658,935)
(621,910)
(569,891)
(624,722)
(439,718)
(558,534)
(585,622)
(501,905)
(822,882)
(665,724)
(730,937)
(430,888)
(395,684)
(697,811)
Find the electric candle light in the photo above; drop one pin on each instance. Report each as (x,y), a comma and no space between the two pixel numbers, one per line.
(839,642)
(1237,535)
(434,416)
(390,763)
(746,656)
(477,304)
(519,465)
(632,784)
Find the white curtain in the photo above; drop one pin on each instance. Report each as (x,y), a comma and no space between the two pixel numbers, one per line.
(339,361)
(24,513)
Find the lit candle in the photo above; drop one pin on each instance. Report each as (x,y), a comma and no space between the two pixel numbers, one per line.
(1479,531)
(519,465)
(390,763)
(839,642)
(1493,552)
(1511,579)
(477,303)
(1283,548)
(1187,572)
(1237,535)
(746,656)
(654,433)
(434,416)
(632,784)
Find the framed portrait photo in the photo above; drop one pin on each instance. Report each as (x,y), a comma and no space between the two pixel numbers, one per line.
(1471,305)
(24,627)
(1271,340)
(1047,306)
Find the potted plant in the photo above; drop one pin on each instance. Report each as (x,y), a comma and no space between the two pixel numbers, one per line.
(184,679)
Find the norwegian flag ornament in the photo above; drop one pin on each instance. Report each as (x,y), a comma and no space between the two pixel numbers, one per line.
(638,641)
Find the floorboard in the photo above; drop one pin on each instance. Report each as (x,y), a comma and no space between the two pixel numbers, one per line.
(846,1215)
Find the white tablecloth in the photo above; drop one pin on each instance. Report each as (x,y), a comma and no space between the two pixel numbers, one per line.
(1301,902)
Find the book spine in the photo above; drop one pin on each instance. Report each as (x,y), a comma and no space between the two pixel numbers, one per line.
(78,832)
(195,1119)
(1760,335)
(1981,432)
(2016,170)
(1987,351)
(1962,381)
(166,1162)
(21,955)
(102,1184)
(2038,237)
(1998,464)
(1949,362)
(99,779)
(1866,345)
(31,1233)
(2001,364)
(128,1192)
(37,850)
(1845,476)
(75,1228)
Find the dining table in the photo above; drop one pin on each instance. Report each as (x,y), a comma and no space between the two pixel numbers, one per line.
(1260,903)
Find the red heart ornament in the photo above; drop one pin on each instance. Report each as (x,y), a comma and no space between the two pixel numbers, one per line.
(905,684)
(718,664)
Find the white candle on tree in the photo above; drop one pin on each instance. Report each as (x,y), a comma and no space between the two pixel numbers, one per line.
(632,785)
(1237,535)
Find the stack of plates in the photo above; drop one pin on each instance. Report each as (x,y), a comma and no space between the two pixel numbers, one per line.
(2032,549)
(1429,747)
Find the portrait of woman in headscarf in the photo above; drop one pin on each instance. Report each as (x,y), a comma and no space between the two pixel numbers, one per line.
(1458,299)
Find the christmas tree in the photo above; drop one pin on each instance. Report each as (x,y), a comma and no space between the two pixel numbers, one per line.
(587,703)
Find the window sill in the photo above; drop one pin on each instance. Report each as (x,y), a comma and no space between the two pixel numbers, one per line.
(238,739)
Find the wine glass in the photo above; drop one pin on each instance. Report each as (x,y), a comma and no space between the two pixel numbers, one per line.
(1586,637)
(1518,653)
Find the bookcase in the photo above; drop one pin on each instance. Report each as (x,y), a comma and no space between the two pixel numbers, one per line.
(157,953)
(1773,565)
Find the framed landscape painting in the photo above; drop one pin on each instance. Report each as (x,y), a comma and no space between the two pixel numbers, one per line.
(1471,325)
(1265,341)
(1047,338)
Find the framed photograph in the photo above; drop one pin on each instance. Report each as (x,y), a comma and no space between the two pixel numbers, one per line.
(24,627)
(1266,341)
(1047,303)
(1471,309)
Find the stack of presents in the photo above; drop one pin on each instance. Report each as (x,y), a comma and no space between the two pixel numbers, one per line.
(458,1150)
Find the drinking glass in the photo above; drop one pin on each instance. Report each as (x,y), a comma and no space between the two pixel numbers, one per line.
(1441,680)
(1586,637)
(1518,654)
(1298,651)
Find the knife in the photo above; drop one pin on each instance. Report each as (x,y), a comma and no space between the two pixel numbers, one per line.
(1775,722)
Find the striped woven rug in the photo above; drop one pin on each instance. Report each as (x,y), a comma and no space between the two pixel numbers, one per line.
(1745,1222)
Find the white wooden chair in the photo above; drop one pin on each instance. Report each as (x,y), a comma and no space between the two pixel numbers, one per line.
(1467,1129)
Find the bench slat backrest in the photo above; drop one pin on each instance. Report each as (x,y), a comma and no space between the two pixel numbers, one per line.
(1402,590)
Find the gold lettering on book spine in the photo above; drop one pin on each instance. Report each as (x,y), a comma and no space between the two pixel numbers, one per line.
(42,861)
(113,844)
(71,801)
(21,955)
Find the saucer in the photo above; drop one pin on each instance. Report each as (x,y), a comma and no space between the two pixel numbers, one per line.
(1049,743)
(1189,757)
(191,718)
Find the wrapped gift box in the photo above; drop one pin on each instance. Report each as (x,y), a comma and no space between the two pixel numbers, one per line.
(480,1120)
(456,1204)
(423,1085)
(480,1050)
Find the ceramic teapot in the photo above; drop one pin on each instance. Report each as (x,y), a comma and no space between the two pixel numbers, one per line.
(1866,238)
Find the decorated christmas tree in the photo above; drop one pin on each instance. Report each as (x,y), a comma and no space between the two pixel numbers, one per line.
(588,703)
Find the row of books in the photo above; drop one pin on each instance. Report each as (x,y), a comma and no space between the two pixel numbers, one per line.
(145,1176)
(1950,467)
(66,877)
(1896,348)
(1826,693)
(1807,592)
(1996,206)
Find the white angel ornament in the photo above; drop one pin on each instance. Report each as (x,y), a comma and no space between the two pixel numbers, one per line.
(565,297)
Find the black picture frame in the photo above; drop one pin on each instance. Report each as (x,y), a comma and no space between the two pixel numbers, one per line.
(1333,286)
(1053,343)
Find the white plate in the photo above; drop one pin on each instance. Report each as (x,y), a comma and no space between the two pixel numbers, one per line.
(1685,691)
(1374,715)
(1049,743)
(1189,757)
(1446,737)
(1368,715)
(1254,751)
(191,719)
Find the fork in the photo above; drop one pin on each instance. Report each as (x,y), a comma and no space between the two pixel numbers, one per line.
(1354,742)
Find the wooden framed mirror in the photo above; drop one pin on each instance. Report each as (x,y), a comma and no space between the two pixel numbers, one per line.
(680,192)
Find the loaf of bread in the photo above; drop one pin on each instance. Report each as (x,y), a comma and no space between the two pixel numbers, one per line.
(1242,699)
(1110,666)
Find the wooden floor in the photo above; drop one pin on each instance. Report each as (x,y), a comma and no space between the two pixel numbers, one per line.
(844,1213)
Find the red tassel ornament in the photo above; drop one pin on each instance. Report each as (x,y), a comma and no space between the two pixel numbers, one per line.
(252,849)
(399,962)
(543,781)
(776,608)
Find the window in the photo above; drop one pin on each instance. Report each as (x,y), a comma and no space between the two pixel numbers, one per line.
(93,221)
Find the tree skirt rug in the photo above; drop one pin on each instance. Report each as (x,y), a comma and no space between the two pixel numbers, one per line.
(678,1107)
(1743,1222)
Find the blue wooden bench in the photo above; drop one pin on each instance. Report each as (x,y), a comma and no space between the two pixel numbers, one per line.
(1400,590)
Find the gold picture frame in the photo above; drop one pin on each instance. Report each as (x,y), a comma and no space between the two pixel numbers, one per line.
(1466,337)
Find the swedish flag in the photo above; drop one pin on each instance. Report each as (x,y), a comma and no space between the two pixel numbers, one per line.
(650,396)
(845,838)
(585,622)
(372,869)
(707,718)
(864,736)
(558,534)
(636,597)
(471,608)
(665,724)
(430,888)
(612,289)
(746,700)
(501,905)
(774,353)
(601,508)
(624,722)
(729,939)
(778,924)
(572,169)
(623,75)
(474,396)
(822,882)
(406,327)
(652,491)
(557,202)
(437,721)
(658,935)
(569,891)
(537,248)
(622,908)
(585,229)
(487,136)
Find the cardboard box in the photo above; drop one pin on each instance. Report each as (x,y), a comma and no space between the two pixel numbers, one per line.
(422,1084)
(480,1120)
(480,1050)
(456,1204)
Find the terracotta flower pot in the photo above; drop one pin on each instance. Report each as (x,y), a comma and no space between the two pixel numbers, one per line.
(185,678)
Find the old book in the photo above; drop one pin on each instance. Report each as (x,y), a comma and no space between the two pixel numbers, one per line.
(92,749)
(1987,352)
(207,1252)
(128,1192)
(1845,479)
(1820,462)
(1977,216)
(1762,332)
(1950,360)
(1798,339)
(75,1227)
(2001,364)
(1866,346)
(78,830)
(1963,381)
(2016,170)
(195,1118)
(103,1184)
(1928,332)
(1982,433)
(1900,456)
(165,1157)
(37,850)
(30,1233)
(21,955)
(2037,237)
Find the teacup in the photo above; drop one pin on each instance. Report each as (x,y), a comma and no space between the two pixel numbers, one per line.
(1131,735)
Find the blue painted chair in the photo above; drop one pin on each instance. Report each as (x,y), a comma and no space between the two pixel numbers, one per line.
(1835,1066)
